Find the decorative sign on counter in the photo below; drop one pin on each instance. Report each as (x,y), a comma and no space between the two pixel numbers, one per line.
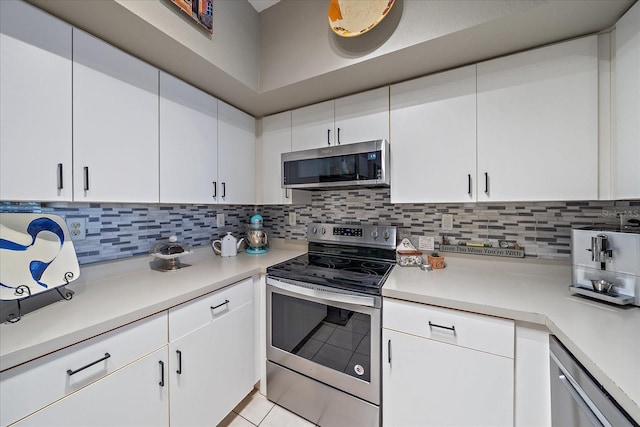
(475,250)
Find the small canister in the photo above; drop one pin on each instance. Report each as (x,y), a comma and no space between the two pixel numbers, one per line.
(409,258)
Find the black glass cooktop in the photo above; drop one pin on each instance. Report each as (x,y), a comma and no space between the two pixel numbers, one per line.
(342,272)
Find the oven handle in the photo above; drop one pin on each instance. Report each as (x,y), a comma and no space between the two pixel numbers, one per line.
(323,295)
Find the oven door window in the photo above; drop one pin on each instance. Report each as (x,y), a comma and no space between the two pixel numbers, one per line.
(333,337)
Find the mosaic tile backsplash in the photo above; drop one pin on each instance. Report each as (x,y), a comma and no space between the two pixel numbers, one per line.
(543,228)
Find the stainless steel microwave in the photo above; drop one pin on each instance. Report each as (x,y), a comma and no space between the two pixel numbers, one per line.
(363,164)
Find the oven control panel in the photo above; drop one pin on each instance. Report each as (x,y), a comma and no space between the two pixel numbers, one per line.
(347,231)
(363,235)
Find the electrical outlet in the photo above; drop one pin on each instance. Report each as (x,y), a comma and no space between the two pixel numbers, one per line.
(220,220)
(426,243)
(292,218)
(447,222)
(77,228)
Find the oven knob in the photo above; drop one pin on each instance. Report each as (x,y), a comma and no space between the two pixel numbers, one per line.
(386,235)
(323,230)
(374,234)
(314,230)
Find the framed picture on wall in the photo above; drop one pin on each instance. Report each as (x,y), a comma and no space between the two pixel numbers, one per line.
(199,10)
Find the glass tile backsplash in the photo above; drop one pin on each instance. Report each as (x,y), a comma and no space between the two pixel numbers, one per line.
(543,228)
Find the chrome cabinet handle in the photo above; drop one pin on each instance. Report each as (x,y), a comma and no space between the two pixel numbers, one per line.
(86,178)
(328,136)
(220,305)
(71,372)
(60,177)
(469,184)
(161,383)
(486,182)
(448,328)
(215,189)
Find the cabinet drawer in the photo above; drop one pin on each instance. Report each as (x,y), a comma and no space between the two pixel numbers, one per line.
(475,331)
(29,387)
(201,311)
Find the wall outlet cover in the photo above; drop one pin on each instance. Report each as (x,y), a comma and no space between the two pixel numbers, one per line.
(447,222)
(77,228)
(292,218)
(220,220)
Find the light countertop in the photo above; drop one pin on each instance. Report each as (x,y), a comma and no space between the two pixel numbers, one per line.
(114,293)
(606,339)
(108,295)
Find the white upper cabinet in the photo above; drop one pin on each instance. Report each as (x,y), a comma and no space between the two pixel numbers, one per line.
(356,118)
(276,140)
(115,124)
(312,126)
(433,123)
(625,153)
(362,117)
(236,156)
(35,106)
(188,143)
(538,124)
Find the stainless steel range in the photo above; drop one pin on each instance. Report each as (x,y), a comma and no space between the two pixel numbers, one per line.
(324,325)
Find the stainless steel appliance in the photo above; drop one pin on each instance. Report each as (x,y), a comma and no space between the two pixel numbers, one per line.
(606,264)
(324,325)
(339,166)
(577,399)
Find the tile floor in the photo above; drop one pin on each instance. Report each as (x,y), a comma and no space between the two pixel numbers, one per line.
(256,410)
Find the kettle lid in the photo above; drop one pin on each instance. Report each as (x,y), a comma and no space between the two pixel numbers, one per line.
(256,221)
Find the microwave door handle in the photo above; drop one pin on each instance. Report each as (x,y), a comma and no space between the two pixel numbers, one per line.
(325,296)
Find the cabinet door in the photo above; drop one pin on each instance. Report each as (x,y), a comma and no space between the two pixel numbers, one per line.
(626,146)
(538,124)
(136,395)
(276,139)
(115,124)
(188,143)
(213,366)
(429,383)
(236,156)
(35,106)
(312,126)
(362,117)
(433,123)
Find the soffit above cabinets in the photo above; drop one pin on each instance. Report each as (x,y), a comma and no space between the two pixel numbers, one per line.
(260,5)
(287,56)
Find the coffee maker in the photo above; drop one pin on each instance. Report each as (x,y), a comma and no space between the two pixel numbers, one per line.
(606,263)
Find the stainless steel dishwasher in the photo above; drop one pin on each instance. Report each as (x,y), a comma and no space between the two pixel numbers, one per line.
(577,399)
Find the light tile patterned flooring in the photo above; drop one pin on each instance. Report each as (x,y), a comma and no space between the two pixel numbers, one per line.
(256,410)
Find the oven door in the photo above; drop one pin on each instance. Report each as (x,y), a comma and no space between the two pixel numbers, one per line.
(329,336)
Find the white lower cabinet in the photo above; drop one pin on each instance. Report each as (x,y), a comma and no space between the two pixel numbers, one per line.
(211,366)
(136,395)
(443,367)
(113,362)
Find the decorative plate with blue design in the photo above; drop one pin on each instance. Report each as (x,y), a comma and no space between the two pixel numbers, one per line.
(36,254)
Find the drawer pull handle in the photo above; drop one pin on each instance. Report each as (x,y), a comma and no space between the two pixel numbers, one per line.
(161,383)
(448,328)
(215,189)
(106,356)
(389,351)
(224,190)
(179,353)
(220,305)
